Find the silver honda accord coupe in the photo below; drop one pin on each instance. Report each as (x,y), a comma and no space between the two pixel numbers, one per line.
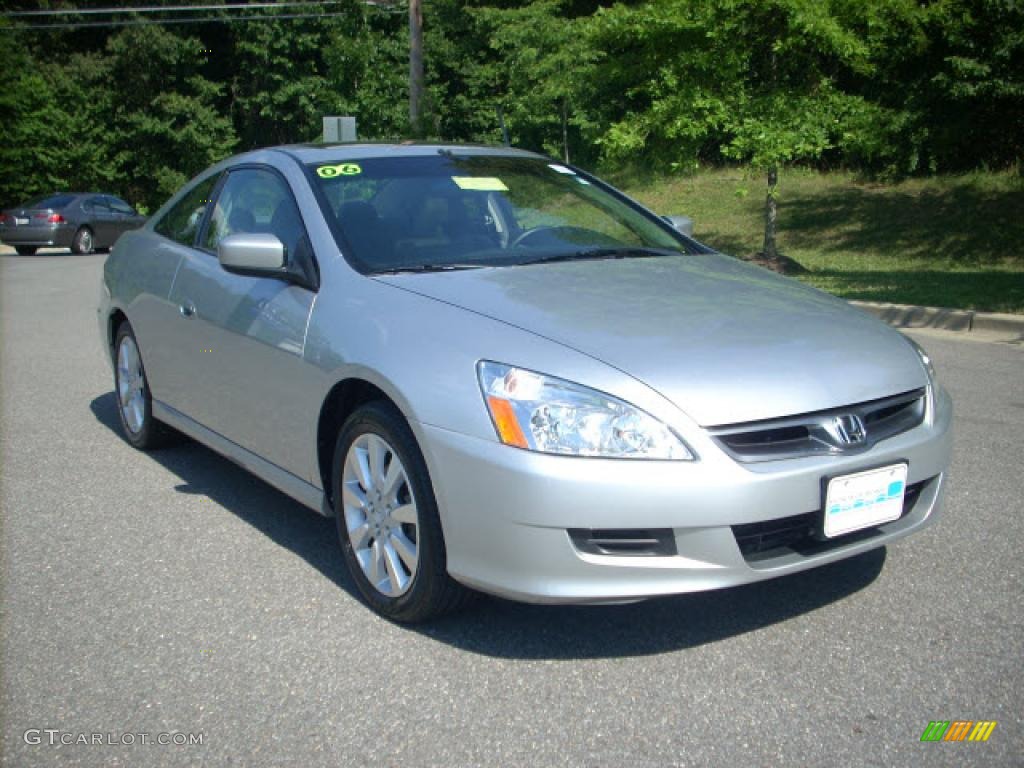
(500,374)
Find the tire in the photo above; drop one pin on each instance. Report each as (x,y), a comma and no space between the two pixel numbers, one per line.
(83,241)
(377,546)
(131,389)
(26,250)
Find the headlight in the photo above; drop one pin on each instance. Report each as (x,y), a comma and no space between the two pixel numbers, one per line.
(549,415)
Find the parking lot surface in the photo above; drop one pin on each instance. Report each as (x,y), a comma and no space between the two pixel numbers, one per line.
(173,593)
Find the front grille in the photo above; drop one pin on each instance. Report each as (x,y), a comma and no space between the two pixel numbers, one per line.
(814,434)
(758,541)
(630,542)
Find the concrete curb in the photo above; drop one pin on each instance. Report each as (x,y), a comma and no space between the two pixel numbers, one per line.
(989,324)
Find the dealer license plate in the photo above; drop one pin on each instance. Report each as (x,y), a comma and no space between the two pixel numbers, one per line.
(864,499)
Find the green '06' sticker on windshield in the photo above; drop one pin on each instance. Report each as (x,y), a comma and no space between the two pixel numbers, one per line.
(341,169)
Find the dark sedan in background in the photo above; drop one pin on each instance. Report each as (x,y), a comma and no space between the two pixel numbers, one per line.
(81,221)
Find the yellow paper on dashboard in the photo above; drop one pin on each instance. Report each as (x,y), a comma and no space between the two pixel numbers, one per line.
(480,183)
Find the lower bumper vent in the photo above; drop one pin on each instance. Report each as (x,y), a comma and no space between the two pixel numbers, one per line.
(626,542)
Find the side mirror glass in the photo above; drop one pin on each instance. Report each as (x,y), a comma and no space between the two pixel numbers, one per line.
(683,224)
(252,253)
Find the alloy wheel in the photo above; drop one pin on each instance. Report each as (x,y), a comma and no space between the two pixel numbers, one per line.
(131,385)
(381,516)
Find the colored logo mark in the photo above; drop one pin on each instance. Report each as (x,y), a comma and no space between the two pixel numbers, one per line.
(342,169)
(895,490)
(958,730)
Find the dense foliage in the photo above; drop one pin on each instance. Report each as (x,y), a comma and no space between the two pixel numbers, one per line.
(892,87)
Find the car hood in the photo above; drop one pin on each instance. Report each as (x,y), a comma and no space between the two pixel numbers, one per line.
(725,341)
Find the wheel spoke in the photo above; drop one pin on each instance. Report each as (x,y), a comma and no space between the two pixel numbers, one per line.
(360,536)
(137,410)
(377,450)
(405,549)
(353,496)
(406,513)
(375,562)
(393,480)
(395,572)
(358,467)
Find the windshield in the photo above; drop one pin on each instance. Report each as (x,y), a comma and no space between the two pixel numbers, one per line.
(458,211)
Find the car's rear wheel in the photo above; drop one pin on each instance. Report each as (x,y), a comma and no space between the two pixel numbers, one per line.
(82,241)
(134,402)
(25,250)
(387,519)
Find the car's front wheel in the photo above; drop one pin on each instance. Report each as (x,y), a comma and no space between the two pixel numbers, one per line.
(134,402)
(387,518)
(25,250)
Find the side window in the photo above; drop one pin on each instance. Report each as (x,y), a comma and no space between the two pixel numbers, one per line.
(255,200)
(96,205)
(181,223)
(120,206)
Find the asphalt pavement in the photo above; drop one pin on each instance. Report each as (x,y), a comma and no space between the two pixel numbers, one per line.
(174,597)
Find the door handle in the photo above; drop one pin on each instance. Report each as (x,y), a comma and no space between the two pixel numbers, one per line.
(187,309)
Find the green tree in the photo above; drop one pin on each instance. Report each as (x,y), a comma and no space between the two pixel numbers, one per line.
(278,82)
(164,119)
(541,88)
(966,94)
(366,61)
(751,80)
(31,127)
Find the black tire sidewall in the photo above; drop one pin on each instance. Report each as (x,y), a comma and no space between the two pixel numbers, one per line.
(148,435)
(25,250)
(421,600)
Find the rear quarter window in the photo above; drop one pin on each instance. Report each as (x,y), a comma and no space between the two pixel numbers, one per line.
(119,206)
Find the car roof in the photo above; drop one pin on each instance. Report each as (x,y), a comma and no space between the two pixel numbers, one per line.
(75,194)
(312,153)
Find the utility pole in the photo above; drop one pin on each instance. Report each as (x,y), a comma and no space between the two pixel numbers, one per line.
(416,68)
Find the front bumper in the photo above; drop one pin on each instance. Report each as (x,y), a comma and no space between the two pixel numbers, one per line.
(507,513)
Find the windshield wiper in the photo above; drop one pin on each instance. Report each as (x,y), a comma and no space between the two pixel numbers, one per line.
(426,268)
(621,252)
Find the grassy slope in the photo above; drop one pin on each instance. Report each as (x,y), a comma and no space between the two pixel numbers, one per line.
(949,241)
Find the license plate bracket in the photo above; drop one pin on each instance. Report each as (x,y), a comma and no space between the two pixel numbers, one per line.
(863,499)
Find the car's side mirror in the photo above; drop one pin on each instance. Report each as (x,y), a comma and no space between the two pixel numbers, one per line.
(252,253)
(683,224)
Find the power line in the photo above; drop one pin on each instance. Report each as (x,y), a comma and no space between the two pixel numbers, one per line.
(163,22)
(171,8)
(379,5)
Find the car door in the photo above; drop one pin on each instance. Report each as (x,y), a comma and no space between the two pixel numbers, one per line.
(153,315)
(101,220)
(244,335)
(125,217)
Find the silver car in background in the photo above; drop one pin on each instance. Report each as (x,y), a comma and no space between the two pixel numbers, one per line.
(81,221)
(499,374)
